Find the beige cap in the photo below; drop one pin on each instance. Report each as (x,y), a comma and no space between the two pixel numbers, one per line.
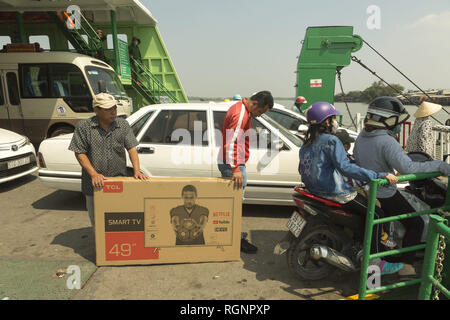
(104,100)
(427,109)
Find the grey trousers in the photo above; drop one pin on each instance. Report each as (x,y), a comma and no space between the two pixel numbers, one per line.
(90,208)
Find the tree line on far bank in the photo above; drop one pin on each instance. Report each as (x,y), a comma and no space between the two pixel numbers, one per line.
(377,89)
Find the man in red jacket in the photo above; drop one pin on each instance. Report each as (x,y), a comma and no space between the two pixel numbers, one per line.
(235,142)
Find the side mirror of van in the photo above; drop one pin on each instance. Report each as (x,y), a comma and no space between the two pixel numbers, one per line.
(101,86)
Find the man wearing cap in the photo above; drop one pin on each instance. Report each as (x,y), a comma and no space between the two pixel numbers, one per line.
(99,144)
(421,138)
(299,101)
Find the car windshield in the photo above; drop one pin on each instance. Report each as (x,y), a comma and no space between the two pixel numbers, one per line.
(293,138)
(113,85)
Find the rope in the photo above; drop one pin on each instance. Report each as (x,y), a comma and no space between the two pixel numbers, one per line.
(345,101)
(396,90)
(400,72)
(396,69)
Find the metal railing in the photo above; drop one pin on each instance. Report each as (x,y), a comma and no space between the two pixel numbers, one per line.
(370,222)
(93,46)
(153,86)
(438,226)
(441,146)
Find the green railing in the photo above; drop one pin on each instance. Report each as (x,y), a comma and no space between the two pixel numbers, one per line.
(93,46)
(438,226)
(152,88)
(370,222)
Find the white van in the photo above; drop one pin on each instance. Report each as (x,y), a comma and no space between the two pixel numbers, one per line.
(44,94)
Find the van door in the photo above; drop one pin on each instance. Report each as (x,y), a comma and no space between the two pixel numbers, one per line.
(13,106)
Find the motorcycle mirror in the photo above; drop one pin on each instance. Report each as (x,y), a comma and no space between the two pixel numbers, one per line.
(303,128)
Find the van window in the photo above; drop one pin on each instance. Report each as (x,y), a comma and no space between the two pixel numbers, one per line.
(34,80)
(113,85)
(13,90)
(66,80)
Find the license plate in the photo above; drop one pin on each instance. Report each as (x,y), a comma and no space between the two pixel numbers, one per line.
(18,162)
(296,224)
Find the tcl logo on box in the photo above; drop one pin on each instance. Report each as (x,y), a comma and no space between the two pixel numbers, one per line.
(113,187)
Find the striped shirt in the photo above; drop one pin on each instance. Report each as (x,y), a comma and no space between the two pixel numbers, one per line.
(235,141)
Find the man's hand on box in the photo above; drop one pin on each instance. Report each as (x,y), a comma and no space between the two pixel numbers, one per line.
(97,180)
(141,176)
(238,179)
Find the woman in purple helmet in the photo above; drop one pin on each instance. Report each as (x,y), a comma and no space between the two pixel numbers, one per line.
(324,165)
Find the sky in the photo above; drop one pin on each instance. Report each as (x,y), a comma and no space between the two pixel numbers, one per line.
(223,47)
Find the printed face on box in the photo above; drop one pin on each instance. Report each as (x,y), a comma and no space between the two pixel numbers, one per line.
(186,221)
(189,220)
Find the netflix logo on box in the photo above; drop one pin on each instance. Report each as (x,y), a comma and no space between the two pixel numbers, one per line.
(113,187)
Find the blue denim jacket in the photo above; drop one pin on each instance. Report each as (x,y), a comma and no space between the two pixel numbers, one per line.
(323,165)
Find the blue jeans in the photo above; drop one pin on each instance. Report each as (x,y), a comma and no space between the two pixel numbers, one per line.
(226,172)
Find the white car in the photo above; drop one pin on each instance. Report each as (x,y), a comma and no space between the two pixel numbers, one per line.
(17,156)
(272,169)
(295,122)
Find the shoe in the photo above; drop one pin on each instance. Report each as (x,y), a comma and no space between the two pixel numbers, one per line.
(387,241)
(389,268)
(247,247)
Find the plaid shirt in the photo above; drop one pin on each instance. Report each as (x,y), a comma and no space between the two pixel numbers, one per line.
(105,150)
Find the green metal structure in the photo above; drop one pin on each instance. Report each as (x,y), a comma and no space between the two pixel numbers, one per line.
(325,51)
(438,226)
(157,82)
(370,222)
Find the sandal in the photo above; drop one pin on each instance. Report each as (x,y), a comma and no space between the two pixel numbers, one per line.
(387,241)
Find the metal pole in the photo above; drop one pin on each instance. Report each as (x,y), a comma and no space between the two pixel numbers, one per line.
(367,239)
(21,26)
(115,42)
(429,261)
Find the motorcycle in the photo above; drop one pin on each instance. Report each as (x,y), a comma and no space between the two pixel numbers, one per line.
(323,236)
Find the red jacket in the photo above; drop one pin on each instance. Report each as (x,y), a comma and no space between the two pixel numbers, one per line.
(235,141)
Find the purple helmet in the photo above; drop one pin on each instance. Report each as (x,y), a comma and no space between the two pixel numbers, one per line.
(319,111)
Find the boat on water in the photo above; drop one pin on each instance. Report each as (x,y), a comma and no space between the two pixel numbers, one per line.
(441,97)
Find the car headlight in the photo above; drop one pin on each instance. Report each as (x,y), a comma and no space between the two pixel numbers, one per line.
(27,141)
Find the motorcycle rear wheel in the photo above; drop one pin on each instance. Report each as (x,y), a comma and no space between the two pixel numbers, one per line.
(298,256)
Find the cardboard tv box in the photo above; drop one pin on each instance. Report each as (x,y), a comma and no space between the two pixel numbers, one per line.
(167,220)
